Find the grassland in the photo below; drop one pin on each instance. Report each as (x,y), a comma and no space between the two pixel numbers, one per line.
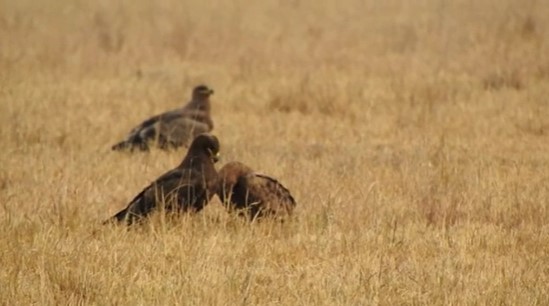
(413,134)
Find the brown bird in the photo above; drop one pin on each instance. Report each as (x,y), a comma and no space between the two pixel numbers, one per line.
(187,188)
(251,194)
(175,128)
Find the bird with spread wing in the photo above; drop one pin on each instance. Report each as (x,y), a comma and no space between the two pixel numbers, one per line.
(187,188)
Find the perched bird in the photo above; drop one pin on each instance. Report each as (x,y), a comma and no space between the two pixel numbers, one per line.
(175,128)
(187,188)
(251,194)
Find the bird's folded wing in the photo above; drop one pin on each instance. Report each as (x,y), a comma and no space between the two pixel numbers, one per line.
(153,120)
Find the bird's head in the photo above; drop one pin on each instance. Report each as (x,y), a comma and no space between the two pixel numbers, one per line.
(206,144)
(202,92)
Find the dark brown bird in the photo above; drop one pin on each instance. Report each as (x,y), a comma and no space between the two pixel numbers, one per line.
(175,128)
(187,188)
(251,194)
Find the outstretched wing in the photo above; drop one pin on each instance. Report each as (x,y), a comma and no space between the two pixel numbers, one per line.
(176,190)
(257,195)
(261,196)
(272,193)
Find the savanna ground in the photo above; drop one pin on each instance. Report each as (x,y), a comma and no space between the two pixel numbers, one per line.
(413,134)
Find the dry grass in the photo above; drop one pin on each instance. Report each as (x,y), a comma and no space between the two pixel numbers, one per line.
(414,135)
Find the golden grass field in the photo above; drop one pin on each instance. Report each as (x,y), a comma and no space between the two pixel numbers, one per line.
(414,136)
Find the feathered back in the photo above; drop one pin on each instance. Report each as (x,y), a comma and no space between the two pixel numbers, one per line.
(240,188)
(174,128)
(273,192)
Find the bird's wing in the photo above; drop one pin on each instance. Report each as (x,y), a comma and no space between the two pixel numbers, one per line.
(181,131)
(178,189)
(148,130)
(200,116)
(270,192)
(151,122)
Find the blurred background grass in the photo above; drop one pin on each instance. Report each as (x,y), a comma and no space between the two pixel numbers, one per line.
(414,137)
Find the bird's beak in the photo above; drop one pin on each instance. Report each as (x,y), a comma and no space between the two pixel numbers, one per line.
(211,92)
(216,157)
